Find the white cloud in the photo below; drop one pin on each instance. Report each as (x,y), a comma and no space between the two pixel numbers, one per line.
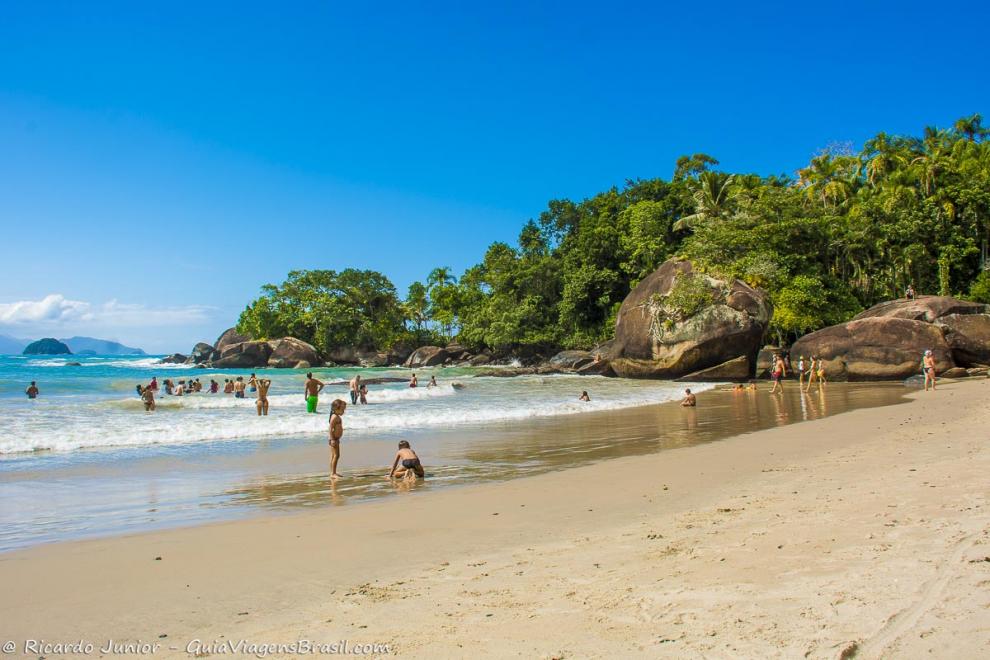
(56,311)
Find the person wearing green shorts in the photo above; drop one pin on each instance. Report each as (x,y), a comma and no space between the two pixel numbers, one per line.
(313,388)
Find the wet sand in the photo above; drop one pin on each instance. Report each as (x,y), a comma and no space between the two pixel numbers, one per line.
(126,496)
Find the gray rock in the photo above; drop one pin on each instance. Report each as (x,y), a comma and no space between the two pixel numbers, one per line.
(426,356)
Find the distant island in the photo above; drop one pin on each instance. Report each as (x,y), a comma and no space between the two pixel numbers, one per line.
(76,345)
(47,346)
(92,346)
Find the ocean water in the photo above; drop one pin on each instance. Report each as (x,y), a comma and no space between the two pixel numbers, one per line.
(95,405)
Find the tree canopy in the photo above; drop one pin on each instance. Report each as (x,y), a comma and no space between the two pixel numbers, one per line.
(850,229)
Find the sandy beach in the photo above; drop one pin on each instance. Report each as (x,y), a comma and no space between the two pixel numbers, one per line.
(865,534)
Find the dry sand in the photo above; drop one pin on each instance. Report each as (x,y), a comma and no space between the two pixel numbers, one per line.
(861,535)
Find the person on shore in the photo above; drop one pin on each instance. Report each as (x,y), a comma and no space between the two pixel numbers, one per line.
(821,372)
(812,372)
(411,464)
(363,394)
(153,385)
(928,368)
(261,386)
(413,382)
(778,372)
(312,393)
(214,386)
(148,397)
(433,382)
(337,409)
(689,400)
(32,390)
(909,293)
(355,385)
(801,372)
(584,396)
(239,387)
(253,383)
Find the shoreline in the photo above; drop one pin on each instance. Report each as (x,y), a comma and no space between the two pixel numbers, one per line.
(95,495)
(856,531)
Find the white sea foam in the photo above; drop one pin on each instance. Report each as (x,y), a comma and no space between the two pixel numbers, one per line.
(65,426)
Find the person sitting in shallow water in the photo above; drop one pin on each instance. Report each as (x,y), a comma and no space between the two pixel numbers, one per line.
(410,463)
(584,396)
(689,399)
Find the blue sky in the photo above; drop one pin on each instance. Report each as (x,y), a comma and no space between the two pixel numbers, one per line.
(159,163)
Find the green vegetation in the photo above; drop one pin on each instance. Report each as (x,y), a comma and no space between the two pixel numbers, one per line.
(850,230)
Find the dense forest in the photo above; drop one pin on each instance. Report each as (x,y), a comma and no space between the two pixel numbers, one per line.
(850,229)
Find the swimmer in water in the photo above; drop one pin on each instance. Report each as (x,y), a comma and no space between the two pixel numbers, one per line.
(413,382)
(584,396)
(411,464)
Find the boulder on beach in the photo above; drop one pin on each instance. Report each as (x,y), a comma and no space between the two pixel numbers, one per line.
(876,348)
(288,352)
(736,369)
(426,356)
(679,321)
(571,360)
(47,346)
(244,354)
(201,352)
(229,337)
(968,335)
(922,308)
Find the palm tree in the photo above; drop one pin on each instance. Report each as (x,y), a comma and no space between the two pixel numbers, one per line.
(713,195)
(971,127)
(830,179)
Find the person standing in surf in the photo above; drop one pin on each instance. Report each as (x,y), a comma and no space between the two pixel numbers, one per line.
(262,385)
(355,388)
(779,371)
(336,432)
(313,389)
(32,390)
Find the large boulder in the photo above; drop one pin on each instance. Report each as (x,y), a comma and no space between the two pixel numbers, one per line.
(922,308)
(678,321)
(229,337)
(244,354)
(876,348)
(289,351)
(736,369)
(426,356)
(174,358)
(571,360)
(968,335)
(201,352)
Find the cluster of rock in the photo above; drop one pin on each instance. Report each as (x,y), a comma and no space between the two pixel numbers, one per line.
(234,350)
(886,341)
(47,346)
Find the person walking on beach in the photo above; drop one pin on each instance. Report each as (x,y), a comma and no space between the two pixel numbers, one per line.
(689,400)
(779,371)
(262,386)
(336,431)
(32,390)
(928,368)
(812,372)
(801,372)
(411,464)
(355,388)
(313,389)
(148,397)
